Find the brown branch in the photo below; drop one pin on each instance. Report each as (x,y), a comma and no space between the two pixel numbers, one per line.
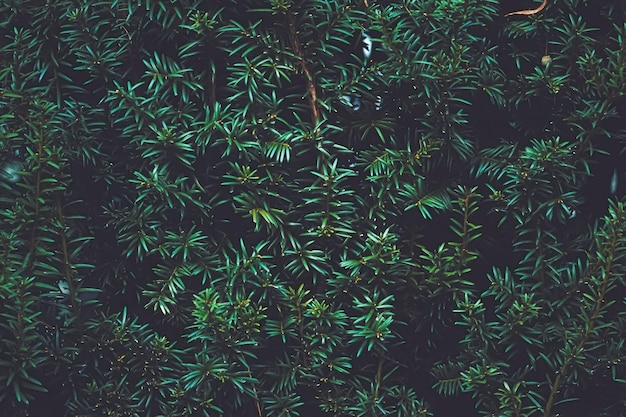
(69,274)
(529,12)
(311,87)
(257,400)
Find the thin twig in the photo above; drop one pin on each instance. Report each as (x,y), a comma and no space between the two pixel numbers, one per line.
(311,87)
(529,12)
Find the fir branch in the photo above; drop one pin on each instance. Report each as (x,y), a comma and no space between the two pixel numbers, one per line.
(607,253)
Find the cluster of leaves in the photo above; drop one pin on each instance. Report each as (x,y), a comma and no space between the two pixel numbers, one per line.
(196,220)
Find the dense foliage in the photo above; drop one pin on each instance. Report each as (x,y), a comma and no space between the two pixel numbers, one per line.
(287,207)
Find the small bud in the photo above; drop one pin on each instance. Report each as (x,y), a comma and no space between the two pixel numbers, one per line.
(545,60)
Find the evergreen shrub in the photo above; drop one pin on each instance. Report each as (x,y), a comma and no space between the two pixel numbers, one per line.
(275,208)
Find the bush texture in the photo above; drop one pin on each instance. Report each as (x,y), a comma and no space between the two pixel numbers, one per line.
(318,208)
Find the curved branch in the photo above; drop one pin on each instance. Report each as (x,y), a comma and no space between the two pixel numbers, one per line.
(529,12)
